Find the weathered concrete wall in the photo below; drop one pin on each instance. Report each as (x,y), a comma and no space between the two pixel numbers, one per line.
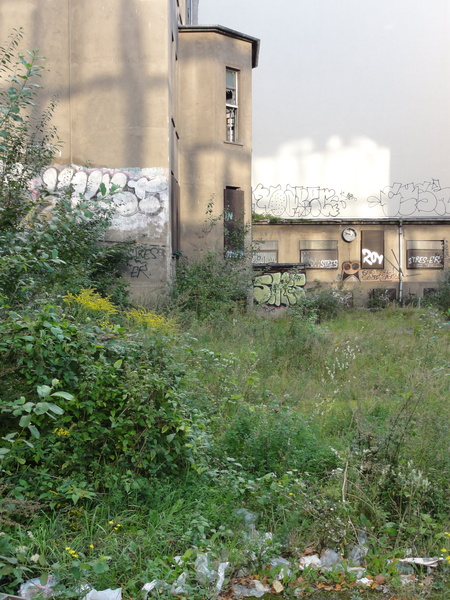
(141,213)
(425,200)
(109,63)
(351,264)
(208,163)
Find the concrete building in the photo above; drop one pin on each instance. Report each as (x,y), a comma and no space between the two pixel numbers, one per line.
(151,102)
(395,243)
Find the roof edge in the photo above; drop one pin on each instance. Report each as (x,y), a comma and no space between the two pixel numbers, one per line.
(221,30)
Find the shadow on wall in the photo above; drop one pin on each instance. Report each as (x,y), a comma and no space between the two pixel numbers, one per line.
(132,66)
(360,167)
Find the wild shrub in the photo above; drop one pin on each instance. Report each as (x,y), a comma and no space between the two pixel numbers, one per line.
(441,295)
(320,304)
(211,283)
(27,140)
(128,414)
(216,280)
(61,253)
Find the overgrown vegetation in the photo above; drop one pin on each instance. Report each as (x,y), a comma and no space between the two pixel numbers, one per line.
(125,442)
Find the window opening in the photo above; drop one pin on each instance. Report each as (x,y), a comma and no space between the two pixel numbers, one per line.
(422,254)
(372,249)
(266,252)
(319,254)
(234,229)
(231,101)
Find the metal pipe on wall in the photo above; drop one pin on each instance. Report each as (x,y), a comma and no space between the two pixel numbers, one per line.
(400,260)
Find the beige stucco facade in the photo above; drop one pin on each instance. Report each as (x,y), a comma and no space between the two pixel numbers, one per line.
(403,256)
(141,104)
(208,162)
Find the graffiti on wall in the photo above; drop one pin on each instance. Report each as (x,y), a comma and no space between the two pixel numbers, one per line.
(278,288)
(426,199)
(298,202)
(379,275)
(371,257)
(426,260)
(352,272)
(422,200)
(141,263)
(141,198)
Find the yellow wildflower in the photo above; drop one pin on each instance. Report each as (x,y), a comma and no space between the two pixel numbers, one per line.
(151,320)
(89,299)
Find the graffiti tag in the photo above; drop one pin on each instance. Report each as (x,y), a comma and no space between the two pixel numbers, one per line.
(278,288)
(371,258)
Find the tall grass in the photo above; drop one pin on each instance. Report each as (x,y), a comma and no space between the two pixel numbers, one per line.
(321,430)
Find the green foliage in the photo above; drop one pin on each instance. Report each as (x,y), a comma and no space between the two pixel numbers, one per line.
(216,281)
(441,296)
(27,140)
(264,440)
(61,252)
(320,304)
(126,413)
(211,283)
(29,412)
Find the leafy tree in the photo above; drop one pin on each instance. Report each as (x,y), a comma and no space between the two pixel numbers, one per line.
(27,140)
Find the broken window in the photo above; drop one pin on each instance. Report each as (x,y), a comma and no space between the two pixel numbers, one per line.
(231,105)
(421,254)
(319,254)
(266,252)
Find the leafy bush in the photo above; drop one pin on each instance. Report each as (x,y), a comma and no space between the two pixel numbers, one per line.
(60,253)
(441,295)
(211,283)
(320,304)
(128,413)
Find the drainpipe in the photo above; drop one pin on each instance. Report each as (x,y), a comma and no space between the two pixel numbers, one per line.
(400,260)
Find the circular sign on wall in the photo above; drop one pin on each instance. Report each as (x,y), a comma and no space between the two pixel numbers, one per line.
(349,234)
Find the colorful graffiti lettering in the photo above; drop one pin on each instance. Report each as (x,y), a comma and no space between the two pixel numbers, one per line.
(279,288)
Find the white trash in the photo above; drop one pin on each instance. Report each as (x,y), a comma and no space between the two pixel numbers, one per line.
(104,594)
(33,587)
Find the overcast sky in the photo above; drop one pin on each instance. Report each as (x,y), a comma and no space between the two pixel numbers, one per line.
(345,86)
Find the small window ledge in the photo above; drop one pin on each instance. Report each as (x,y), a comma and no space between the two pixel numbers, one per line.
(233,143)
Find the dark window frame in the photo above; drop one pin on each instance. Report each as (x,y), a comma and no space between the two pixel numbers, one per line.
(428,259)
(231,105)
(372,249)
(325,258)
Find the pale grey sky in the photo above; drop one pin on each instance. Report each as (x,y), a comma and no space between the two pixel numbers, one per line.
(345,86)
